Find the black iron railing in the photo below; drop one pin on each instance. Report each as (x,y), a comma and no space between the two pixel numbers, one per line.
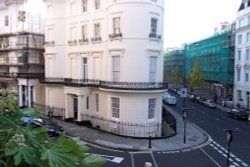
(107,84)
(155,36)
(115,35)
(85,40)
(96,39)
(128,129)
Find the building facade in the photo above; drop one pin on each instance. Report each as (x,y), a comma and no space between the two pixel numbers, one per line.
(215,55)
(242,56)
(103,63)
(173,66)
(21,49)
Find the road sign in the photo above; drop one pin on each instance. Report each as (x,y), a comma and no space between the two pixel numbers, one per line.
(183,92)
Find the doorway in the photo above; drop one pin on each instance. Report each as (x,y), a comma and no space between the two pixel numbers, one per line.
(75,107)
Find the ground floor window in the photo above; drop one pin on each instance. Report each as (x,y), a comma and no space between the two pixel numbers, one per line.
(151,108)
(115,107)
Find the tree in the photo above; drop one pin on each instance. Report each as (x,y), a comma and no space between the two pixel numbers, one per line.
(29,146)
(177,76)
(195,78)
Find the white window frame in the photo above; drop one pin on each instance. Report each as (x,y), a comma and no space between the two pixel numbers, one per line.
(97,30)
(6,20)
(85,68)
(239,39)
(116,68)
(115,105)
(238,72)
(248,37)
(84,32)
(239,95)
(152,68)
(151,108)
(97,4)
(239,54)
(84,6)
(154,26)
(117,25)
(247,53)
(246,77)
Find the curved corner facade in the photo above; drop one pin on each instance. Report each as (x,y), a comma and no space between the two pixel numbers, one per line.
(104,63)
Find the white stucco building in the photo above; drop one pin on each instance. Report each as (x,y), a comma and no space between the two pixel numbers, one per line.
(22,48)
(242,56)
(104,62)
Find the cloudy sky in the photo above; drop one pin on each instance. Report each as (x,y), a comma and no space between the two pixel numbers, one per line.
(191,20)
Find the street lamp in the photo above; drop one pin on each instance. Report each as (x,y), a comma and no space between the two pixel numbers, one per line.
(229,133)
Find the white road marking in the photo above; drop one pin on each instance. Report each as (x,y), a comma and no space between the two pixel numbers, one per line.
(210,158)
(132,160)
(154,161)
(111,158)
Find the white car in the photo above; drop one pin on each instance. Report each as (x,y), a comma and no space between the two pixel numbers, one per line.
(169,99)
(209,103)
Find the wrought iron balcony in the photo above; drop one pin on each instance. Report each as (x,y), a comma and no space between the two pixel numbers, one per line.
(107,84)
(154,36)
(115,35)
(49,43)
(22,75)
(72,42)
(96,39)
(82,41)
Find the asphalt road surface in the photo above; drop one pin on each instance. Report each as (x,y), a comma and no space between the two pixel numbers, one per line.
(213,154)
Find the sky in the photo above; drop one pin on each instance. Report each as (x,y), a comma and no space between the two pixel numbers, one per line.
(192,20)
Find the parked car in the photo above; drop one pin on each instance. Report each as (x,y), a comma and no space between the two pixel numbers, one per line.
(53,128)
(191,97)
(238,114)
(228,103)
(200,100)
(169,99)
(209,103)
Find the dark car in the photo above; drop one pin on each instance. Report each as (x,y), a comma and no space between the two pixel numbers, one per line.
(238,114)
(53,128)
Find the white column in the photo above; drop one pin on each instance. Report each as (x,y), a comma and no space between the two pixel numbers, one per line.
(80,107)
(34,93)
(29,96)
(20,96)
(66,106)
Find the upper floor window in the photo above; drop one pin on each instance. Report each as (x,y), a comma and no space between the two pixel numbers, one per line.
(21,16)
(116,25)
(84,32)
(115,107)
(238,74)
(154,26)
(152,69)
(247,54)
(239,55)
(239,41)
(97,4)
(151,108)
(248,37)
(246,77)
(84,5)
(72,9)
(6,21)
(116,68)
(85,68)
(97,30)
(241,22)
(239,95)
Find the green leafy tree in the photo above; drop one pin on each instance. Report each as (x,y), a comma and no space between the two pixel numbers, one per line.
(177,76)
(26,146)
(195,78)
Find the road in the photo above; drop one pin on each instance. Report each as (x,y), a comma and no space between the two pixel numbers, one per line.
(212,121)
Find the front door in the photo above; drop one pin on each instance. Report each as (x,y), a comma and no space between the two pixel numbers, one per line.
(75,107)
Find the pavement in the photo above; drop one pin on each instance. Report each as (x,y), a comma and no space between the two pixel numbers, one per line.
(195,137)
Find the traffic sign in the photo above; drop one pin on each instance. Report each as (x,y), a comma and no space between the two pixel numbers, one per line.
(183,92)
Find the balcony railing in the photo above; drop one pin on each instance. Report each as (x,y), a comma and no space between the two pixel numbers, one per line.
(155,36)
(115,35)
(107,84)
(96,39)
(21,75)
(49,43)
(72,42)
(82,41)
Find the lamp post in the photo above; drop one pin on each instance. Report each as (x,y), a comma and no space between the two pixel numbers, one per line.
(184,94)
(229,133)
